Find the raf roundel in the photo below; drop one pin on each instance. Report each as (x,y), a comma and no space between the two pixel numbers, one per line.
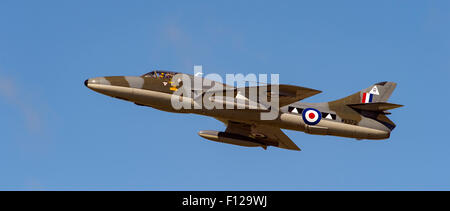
(311,116)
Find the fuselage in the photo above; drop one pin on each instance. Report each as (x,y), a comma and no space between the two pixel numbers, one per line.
(157,92)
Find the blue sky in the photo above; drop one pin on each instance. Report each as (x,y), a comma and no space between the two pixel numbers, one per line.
(58,135)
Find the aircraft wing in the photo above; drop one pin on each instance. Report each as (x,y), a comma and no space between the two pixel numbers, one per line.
(291,94)
(268,135)
(288,94)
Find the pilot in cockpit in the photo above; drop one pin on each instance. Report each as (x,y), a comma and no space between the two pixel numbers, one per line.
(160,74)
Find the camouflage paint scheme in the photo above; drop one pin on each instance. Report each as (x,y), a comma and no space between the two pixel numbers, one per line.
(347,117)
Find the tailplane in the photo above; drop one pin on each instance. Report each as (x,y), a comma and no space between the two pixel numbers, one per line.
(379,106)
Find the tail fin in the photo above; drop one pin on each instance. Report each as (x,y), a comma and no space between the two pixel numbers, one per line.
(370,102)
(379,92)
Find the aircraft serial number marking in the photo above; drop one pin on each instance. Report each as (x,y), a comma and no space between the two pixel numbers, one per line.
(349,121)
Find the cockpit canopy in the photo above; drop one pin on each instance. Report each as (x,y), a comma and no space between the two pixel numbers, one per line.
(160,74)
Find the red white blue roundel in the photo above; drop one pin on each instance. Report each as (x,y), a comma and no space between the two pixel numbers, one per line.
(311,116)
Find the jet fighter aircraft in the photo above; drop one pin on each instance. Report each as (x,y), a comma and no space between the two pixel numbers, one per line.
(362,115)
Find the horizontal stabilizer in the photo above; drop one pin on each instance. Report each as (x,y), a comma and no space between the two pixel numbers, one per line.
(378,106)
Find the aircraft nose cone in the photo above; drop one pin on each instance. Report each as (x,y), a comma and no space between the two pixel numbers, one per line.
(92,82)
